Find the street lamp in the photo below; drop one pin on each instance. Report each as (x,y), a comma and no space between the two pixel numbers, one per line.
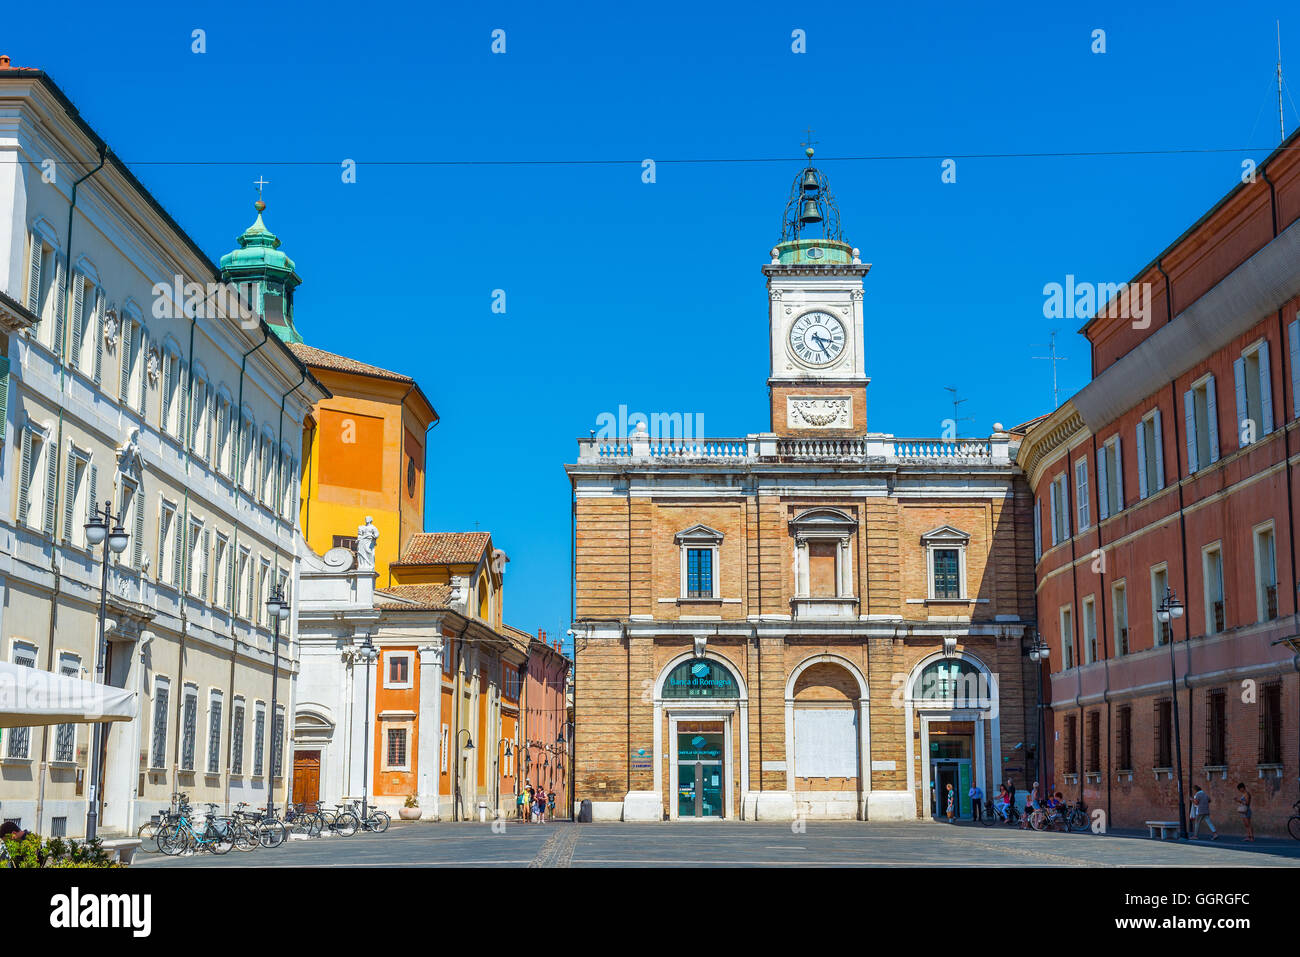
(469,746)
(1038,654)
(277,609)
(104,529)
(367,653)
(1171,609)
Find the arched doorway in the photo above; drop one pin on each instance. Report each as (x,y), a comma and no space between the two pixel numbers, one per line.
(313,733)
(827,734)
(952,699)
(700,701)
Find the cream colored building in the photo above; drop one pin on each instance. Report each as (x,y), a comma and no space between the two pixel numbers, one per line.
(188,419)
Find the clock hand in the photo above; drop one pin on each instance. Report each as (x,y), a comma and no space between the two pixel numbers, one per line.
(820,342)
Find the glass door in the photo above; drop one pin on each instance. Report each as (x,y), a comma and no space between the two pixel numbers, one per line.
(701,777)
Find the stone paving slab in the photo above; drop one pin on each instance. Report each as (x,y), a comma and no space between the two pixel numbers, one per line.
(744,844)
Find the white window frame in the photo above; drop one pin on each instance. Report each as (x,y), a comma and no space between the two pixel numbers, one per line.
(1160,570)
(1253,390)
(1214,549)
(1065,622)
(1059,498)
(390,656)
(945,538)
(238,728)
(405,725)
(1120,622)
(1088,628)
(1110,477)
(1261,596)
(1198,427)
(216,712)
(26,654)
(1082,502)
(705,538)
(161,683)
(1150,454)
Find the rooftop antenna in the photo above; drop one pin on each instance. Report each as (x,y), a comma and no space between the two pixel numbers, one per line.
(1054,359)
(956,408)
(1281,117)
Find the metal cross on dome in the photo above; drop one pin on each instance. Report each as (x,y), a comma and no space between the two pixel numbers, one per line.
(809,141)
(259,183)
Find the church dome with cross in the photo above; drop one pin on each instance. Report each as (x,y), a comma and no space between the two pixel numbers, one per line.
(264,273)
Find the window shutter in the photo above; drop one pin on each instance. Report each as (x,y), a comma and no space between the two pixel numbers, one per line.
(1119,473)
(34,276)
(4,397)
(1051,504)
(230,579)
(73,358)
(60,304)
(137,554)
(178,547)
(1189,416)
(1160,452)
(183,400)
(1212,415)
(99,336)
(1239,379)
(166,391)
(1103,486)
(162,542)
(124,355)
(1142,459)
(203,581)
(25,478)
(210,417)
(92,501)
(143,354)
(69,488)
(1265,390)
(1081,492)
(51,478)
(1293,334)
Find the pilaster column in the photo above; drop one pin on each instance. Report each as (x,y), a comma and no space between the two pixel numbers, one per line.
(429,730)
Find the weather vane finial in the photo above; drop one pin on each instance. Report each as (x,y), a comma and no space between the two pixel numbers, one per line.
(259,183)
(808,143)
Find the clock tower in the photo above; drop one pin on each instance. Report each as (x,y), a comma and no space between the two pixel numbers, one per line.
(818,381)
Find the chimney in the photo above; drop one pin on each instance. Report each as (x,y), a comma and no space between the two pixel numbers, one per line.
(4,61)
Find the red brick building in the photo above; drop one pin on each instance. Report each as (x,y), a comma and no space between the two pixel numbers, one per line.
(1175,469)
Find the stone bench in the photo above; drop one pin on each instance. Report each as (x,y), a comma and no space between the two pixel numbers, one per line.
(122,849)
(1164,827)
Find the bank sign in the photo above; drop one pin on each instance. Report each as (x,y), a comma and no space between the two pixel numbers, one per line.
(699,747)
(700,679)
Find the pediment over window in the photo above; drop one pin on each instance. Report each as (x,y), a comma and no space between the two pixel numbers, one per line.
(945,535)
(825,520)
(698,534)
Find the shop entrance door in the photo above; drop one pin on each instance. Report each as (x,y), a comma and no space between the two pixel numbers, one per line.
(701,776)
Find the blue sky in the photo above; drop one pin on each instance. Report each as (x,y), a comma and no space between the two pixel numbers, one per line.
(651,296)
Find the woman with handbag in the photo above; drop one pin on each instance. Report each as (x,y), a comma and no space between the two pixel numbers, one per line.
(1243,808)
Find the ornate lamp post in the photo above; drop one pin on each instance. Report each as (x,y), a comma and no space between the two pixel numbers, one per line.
(277,608)
(1172,609)
(1039,653)
(104,528)
(469,746)
(367,653)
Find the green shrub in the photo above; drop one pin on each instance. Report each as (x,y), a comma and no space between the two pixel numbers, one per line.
(32,851)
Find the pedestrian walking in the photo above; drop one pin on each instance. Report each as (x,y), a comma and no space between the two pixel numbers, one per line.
(1031,805)
(1243,808)
(539,805)
(528,804)
(1011,793)
(1201,812)
(952,804)
(976,796)
(519,804)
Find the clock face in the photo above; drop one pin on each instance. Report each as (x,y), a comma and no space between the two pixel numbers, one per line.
(817,338)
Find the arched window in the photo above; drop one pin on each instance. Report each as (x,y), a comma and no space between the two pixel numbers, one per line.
(955,682)
(701,678)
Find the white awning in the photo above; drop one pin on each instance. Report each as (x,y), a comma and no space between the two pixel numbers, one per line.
(29,697)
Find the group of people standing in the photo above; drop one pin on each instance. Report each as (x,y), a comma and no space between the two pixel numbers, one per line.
(534,803)
(1201,811)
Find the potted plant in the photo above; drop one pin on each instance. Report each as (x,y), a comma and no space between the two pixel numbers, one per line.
(410,811)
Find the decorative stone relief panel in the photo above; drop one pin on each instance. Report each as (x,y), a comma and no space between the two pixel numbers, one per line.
(819,412)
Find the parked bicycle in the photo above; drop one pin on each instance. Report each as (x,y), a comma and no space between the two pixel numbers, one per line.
(374,819)
(992,817)
(213,834)
(1293,822)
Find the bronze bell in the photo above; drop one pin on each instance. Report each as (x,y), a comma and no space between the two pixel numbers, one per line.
(810,181)
(810,214)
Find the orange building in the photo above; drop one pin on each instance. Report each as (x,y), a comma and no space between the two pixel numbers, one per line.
(365,455)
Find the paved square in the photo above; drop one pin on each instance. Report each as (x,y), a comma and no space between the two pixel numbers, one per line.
(742,844)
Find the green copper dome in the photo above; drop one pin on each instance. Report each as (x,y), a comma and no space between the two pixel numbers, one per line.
(264,272)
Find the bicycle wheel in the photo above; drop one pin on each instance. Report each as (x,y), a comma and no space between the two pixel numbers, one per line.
(1293,827)
(1078,820)
(220,839)
(346,824)
(379,821)
(173,839)
(1038,820)
(148,833)
(272,832)
(246,838)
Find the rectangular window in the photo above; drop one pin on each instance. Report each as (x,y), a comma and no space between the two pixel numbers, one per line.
(1270,724)
(214,733)
(1254,394)
(263,582)
(1093,743)
(168,568)
(399,669)
(1081,499)
(1212,569)
(189,724)
(1119,611)
(237,740)
(20,739)
(1151,455)
(1163,750)
(1124,738)
(1070,745)
(511,682)
(259,738)
(1161,630)
(1200,409)
(1038,529)
(699,573)
(243,591)
(277,744)
(1058,499)
(1265,573)
(1088,610)
(1110,477)
(158,753)
(221,574)
(395,753)
(1067,638)
(1216,728)
(947,573)
(65,738)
